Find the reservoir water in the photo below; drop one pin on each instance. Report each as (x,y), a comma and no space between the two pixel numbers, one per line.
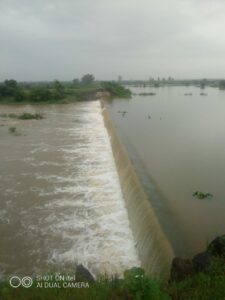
(176,143)
(60,198)
(68,195)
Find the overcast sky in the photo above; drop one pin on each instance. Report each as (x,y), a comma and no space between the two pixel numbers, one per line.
(64,39)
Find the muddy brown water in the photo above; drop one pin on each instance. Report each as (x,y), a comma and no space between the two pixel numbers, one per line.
(176,143)
(60,198)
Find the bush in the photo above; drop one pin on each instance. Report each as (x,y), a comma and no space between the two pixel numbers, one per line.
(116,90)
(209,285)
(222,84)
(141,286)
(19,95)
(87,79)
(40,94)
(201,286)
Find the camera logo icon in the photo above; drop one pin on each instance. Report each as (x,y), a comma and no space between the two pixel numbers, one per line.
(16,281)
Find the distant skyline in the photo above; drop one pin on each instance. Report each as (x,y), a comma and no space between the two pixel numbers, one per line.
(54,39)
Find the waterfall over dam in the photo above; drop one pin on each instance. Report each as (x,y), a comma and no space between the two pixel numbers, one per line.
(68,196)
(61,201)
(153,247)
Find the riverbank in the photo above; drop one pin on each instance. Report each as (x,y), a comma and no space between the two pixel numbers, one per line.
(55,92)
(205,280)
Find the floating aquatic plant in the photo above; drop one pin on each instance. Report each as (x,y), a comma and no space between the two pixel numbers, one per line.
(12,129)
(201,195)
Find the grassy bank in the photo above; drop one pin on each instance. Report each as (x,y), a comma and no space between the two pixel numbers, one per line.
(135,285)
(12,92)
(207,285)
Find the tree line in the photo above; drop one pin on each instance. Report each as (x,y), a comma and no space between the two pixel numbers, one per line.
(10,89)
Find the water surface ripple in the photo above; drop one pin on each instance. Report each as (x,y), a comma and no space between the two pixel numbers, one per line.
(61,201)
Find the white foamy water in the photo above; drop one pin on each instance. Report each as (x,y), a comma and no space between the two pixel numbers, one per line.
(61,200)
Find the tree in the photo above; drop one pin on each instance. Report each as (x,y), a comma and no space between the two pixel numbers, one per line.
(9,87)
(39,94)
(116,90)
(19,95)
(76,81)
(10,83)
(87,79)
(222,84)
(58,86)
(58,90)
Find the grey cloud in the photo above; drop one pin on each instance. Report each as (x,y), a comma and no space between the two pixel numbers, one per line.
(43,40)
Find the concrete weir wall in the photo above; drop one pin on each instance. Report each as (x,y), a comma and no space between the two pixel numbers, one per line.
(154,249)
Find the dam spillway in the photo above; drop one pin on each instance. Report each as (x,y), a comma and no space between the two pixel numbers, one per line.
(61,201)
(154,249)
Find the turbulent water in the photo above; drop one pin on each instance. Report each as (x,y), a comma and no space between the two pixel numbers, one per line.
(175,140)
(61,201)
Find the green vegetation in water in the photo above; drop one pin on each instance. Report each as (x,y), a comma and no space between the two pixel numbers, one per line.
(23,116)
(12,129)
(147,94)
(29,116)
(82,89)
(201,195)
(123,113)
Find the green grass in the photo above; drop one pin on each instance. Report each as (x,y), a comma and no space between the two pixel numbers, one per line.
(209,285)
(135,285)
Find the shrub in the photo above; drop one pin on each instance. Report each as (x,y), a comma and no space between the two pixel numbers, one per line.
(116,90)
(141,286)
(40,94)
